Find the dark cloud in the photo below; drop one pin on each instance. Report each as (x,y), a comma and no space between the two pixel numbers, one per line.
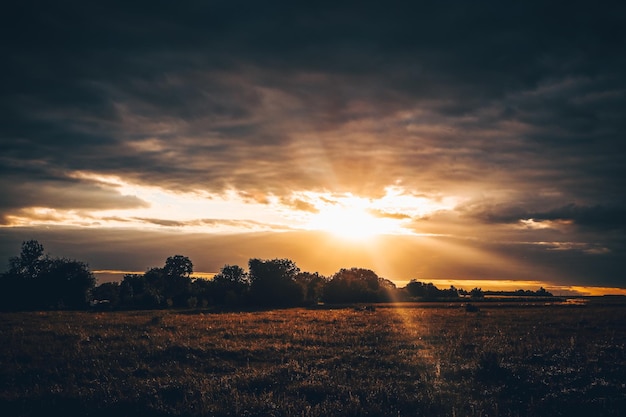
(45,187)
(518,109)
(593,217)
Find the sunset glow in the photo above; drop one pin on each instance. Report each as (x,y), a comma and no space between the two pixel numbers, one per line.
(344,215)
(347,222)
(405,139)
(351,218)
(313,208)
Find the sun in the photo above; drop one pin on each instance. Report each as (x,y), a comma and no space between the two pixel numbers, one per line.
(360,219)
(345,222)
(352,219)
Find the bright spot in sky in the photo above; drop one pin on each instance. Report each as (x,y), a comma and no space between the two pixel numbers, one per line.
(352,221)
(353,217)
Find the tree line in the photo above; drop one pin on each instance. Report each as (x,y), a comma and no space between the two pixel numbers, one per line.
(266,283)
(36,281)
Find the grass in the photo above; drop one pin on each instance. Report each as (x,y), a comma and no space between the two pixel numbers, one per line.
(404,360)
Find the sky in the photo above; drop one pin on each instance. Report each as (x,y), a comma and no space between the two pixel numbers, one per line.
(446,140)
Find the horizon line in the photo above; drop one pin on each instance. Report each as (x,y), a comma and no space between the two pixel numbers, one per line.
(111,275)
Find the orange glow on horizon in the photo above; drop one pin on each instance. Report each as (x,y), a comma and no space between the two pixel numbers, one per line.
(513,285)
(594,291)
(485,285)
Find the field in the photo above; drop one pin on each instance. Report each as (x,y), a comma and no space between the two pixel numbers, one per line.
(517,359)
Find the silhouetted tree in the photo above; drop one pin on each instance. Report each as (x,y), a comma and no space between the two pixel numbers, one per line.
(107,292)
(169,286)
(541,292)
(21,283)
(386,285)
(477,293)
(177,270)
(36,281)
(67,284)
(421,290)
(156,279)
(230,286)
(312,285)
(137,292)
(272,283)
(429,291)
(202,290)
(357,285)
(178,266)
(451,292)
(31,261)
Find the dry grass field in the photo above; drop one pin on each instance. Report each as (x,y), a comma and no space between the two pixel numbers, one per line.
(399,360)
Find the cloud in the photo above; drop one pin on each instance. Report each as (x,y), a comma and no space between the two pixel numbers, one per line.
(300,205)
(599,217)
(387,215)
(515,111)
(594,217)
(161,222)
(46,188)
(422,94)
(239,225)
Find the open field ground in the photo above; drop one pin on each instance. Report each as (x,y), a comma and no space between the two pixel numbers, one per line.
(404,360)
